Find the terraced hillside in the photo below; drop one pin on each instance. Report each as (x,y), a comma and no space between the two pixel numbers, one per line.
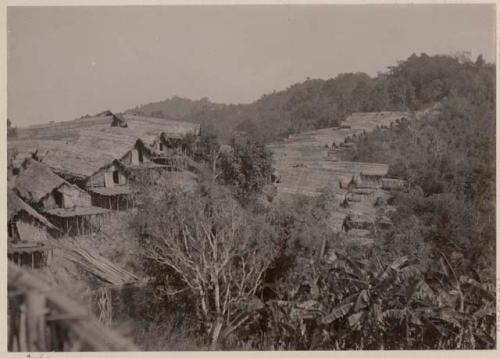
(307,163)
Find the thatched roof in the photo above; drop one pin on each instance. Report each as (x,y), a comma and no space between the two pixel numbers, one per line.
(94,264)
(116,190)
(16,206)
(311,179)
(375,170)
(36,180)
(93,150)
(100,144)
(160,125)
(305,166)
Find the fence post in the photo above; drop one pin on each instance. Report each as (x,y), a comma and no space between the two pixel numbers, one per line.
(35,321)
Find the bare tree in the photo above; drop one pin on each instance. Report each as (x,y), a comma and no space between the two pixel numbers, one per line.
(218,253)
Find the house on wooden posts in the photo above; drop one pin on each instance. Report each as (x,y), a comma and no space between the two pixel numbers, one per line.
(28,234)
(66,205)
(90,162)
(177,151)
(371,176)
(170,149)
(110,185)
(170,142)
(93,150)
(101,160)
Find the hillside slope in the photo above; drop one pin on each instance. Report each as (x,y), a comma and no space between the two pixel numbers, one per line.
(413,84)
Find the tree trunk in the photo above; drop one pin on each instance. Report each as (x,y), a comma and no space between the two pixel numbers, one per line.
(216,333)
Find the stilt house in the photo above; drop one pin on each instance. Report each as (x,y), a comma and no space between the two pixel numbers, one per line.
(110,185)
(104,159)
(65,204)
(371,177)
(28,234)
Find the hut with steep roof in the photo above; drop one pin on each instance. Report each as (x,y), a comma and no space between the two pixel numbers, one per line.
(65,204)
(93,150)
(28,234)
(110,185)
(102,159)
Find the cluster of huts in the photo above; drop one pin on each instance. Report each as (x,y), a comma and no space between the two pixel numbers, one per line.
(72,189)
(369,184)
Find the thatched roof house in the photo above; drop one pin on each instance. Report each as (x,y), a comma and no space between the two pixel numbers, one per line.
(110,136)
(17,210)
(119,121)
(93,150)
(28,232)
(65,204)
(36,180)
(109,186)
(375,170)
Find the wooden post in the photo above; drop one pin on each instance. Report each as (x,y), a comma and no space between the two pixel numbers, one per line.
(35,321)
(50,254)
(23,339)
(14,328)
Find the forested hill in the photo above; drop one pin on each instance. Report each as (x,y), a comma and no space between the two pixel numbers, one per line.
(414,83)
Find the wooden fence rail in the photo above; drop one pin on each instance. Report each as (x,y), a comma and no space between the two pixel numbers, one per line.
(42,318)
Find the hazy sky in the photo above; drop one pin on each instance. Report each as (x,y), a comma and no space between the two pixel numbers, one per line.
(69,61)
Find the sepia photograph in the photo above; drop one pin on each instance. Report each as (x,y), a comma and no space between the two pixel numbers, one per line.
(266,177)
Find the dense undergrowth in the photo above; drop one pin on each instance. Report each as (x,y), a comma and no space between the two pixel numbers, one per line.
(230,273)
